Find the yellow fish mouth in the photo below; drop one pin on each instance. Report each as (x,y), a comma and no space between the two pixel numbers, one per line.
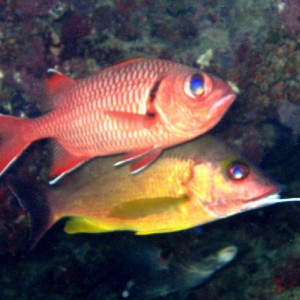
(269,200)
(266,201)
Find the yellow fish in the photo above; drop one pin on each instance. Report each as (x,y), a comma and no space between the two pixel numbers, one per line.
(189,185)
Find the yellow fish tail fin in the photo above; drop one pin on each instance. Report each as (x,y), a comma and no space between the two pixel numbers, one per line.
(35,201)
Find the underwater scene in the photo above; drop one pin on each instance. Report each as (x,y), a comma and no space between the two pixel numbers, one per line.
(149,149)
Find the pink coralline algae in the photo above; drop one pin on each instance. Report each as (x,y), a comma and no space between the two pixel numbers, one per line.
(291,17)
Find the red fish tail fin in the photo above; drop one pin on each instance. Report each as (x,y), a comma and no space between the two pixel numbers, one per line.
(12,140)
(34,200)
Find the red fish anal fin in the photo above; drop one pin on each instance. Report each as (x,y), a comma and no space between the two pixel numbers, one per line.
(144,161)
(128,157)
(131,119)
(63,163)
(12,142)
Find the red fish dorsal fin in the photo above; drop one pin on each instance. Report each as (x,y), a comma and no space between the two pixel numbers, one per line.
(129,61)
(56,81)
(123,63)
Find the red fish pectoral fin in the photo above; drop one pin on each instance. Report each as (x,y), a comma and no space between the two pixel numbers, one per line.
(128,120)
(144,161)
(63,163)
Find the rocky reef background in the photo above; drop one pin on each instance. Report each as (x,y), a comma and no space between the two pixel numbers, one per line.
(254,44)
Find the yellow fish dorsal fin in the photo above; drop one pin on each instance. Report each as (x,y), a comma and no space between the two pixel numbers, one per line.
(83,225)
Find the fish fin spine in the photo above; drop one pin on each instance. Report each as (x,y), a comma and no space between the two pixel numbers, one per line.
(143,162)
(130,156)
(140,159)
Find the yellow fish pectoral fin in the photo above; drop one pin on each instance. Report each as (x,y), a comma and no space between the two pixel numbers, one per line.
(142,208)
(83,225)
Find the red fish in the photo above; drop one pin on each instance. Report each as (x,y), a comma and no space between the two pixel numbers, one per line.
(137,107)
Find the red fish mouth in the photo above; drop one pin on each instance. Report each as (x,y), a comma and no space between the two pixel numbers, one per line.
(222,104)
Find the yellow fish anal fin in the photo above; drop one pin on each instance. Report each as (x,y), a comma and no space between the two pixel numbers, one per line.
(83,225)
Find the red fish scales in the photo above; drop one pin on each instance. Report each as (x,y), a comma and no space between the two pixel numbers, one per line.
(138,107)
(112,90)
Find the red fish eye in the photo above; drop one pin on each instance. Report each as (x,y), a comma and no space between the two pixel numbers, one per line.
(237,171)
(194,86)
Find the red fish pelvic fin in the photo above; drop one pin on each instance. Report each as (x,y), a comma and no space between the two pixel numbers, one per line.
(12,142)
(63,162)
(140,159)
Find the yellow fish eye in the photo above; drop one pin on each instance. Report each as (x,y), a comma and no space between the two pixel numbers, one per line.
(237,171)
(195,85)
